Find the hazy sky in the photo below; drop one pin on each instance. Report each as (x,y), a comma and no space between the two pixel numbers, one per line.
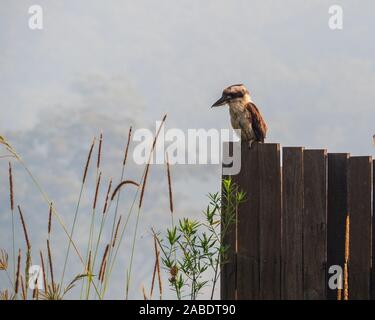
(106,65)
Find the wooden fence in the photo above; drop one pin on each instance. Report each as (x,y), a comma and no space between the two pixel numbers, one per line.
(292,227)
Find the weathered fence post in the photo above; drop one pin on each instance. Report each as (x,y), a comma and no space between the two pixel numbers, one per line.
(292,224)
(315,224)
(248,226)
(292,227)
(373,234)
(258,226)
(270,220)
(359,205)
(336,213)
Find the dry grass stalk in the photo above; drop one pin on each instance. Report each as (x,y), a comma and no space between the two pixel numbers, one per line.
(104,261)
(36,290)
(53,293)
(144,293)
(347,238)
(4,295)
(27,267)
(43,272)
(158,271)
(23,287)
(121,184)
(127,146)
(157,134)
(339,294)
(169,184)
(50,265)
(99,151)
(103,272)
(6,144)
(153,280)
(11,197)
(36,293)
(173,272)
(18,272)
(116,231)
(144,185)
(3,260)
(156,266)
(149,161)
(100,272)
(346,282)
(88,162)
(347,244)
(24,229)
(11,193)
(97,191)
(107,197)
(88,267)
(50,218)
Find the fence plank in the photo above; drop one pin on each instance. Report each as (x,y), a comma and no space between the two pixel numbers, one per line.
(336,213)
(259,223)
(373,234)
(270,220)
(314,224)
(292,200)
(228,270)
(359,205)
(248,229)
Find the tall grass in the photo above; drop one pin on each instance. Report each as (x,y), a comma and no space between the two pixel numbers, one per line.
(11,200)
(144,182)
(107,227)
(93,275)
(77,210)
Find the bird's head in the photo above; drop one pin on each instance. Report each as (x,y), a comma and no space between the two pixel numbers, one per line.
(234,94)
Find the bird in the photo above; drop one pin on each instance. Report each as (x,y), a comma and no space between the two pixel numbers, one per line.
(244,114)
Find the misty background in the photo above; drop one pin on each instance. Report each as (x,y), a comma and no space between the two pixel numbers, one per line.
(106,65)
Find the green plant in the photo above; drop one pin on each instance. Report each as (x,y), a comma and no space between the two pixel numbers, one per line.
(193,248)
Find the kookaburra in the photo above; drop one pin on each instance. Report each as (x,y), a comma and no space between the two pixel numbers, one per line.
(244,114)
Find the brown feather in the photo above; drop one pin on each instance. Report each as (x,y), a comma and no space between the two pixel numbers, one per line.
(257,122)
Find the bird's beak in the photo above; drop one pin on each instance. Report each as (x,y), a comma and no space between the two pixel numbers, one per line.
(223,100)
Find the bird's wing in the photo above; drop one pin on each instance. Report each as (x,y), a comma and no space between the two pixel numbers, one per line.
(258,124)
